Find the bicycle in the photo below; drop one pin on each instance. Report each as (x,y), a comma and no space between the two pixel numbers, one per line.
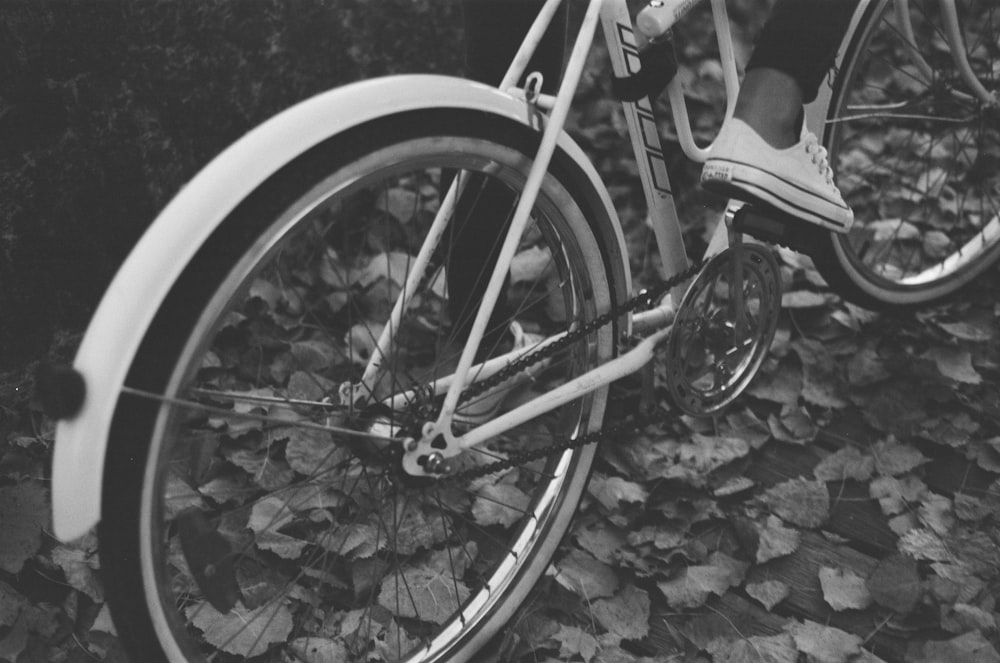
(266,444)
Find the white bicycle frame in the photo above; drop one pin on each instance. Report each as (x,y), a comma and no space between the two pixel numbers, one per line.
(138,290)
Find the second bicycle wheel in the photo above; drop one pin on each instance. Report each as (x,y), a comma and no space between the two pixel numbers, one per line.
(917,156)
(247,514)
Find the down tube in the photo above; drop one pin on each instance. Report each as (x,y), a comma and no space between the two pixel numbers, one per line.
(624,52)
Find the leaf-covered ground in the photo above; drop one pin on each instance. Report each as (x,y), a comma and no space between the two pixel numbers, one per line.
(843,510)
(847,502)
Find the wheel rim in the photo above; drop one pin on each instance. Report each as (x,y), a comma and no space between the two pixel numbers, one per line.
(333,550)
(918,157)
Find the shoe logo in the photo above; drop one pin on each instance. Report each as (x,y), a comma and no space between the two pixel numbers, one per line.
(715,174)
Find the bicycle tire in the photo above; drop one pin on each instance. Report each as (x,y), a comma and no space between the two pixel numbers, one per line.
(205,509)
(917,158)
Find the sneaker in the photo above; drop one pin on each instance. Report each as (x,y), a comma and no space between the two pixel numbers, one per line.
(796,180)
(488,404)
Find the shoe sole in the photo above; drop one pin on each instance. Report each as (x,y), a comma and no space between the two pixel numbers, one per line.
(750,184)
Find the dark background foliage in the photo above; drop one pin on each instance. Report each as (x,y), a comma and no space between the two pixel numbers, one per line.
(107,107)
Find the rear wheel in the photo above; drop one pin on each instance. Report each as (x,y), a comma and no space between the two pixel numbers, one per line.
(917,156)
(246,513)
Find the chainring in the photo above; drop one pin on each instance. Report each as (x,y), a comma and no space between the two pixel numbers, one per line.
(718,343)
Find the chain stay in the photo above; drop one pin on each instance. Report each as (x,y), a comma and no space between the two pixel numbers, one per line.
(644,300)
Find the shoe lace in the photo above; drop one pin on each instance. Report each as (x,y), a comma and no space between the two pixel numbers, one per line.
(818,154)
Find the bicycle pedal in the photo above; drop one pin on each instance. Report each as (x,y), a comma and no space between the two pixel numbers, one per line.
(773,226)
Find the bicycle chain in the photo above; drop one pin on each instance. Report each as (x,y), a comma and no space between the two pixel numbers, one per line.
(644,300)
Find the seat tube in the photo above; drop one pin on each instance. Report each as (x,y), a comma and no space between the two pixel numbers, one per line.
(623,49)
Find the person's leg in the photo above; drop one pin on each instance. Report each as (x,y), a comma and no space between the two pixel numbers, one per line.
(494,31)
(793,54)
(760,155)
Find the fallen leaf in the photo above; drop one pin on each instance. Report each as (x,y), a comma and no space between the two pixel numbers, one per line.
(574,641)
(821,383)
(11,604)
(585,576)
(626,614)
(885,230)
(825,644)
(794,426)
(975,550)
(241,631)
(401,203)
(866,367)
(778,648)
(313,453)
(270,514)
(225,488)
(314,355)
(922,543)
(775,540)
(707,627)
(800,502)
(936,513)
(694,460)
(268,473)
(953,583)
(693,585)
(977,331)
(970,647)
(531,264)
(954,364)
(895,408)
(602,540)
(392,266)
(846,463)
(973,509)
(733,486)
(306,386)
(409,527)
(963,618)
(903,523)
(843,589)
(15,640)
(986,452)
(894,494)
(103,622)
(769,592)
(282,545)
(746,426)
(432,591)
(80,567)
(663,537)
(893,458)
(391,639)
(318,650)
(23,514)
(895,584)
(609,491)
(783,385)
(499,504)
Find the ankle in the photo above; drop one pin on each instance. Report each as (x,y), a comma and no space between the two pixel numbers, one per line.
(770,102)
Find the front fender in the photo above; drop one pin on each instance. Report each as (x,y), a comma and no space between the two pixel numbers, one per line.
(138,289)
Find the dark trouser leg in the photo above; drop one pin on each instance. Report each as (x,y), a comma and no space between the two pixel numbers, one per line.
(801,39)
(494,30)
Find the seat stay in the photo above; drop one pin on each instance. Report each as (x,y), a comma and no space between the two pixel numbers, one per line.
(550,137)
